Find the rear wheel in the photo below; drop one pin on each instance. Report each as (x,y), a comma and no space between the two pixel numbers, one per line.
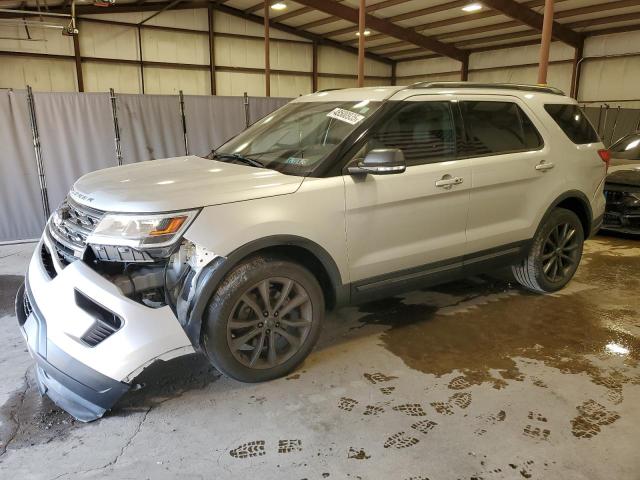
(263,320)
(554,255)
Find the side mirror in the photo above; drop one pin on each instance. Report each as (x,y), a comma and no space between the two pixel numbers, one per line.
(381,161)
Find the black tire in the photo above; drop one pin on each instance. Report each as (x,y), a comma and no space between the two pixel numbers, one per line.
(232,316)
(536,271)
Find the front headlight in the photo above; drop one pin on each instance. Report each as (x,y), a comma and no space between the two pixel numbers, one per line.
(141,230)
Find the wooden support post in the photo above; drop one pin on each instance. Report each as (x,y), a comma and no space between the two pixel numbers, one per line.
(394,77)
(575,74)
(545,45)
(464,69)
(267,67)
(362,13)
(141,61)
(212,51)
(78,59)
(314,66)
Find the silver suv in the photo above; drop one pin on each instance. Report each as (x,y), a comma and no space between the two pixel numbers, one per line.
(338,197)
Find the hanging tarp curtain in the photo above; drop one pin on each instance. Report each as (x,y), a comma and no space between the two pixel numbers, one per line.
(21,215)
(77,136)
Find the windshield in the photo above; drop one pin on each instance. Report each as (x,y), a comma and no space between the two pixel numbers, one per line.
(298,136)
(627,147)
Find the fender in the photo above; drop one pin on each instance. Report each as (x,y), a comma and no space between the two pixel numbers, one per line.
(584,201)
(191,305)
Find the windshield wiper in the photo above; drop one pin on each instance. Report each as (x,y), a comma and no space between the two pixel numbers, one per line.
(240,158)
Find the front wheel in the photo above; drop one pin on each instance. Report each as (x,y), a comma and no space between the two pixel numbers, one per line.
(554,255)
(263,320)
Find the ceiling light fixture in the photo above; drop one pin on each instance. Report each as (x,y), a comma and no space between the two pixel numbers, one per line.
(279,6)
(366,33)
(472,7)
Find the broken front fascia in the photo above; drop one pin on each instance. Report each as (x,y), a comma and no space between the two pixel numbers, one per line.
(63,302)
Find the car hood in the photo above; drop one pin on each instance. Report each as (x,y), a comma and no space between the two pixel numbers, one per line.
(177,184)
(624,178)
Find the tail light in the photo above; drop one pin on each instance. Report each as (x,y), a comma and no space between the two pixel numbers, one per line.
(605,155)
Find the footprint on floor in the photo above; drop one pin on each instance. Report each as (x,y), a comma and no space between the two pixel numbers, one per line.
(347,404)
(536,432)
(373,410)
(461,399)
(459,383)
(424,426)
(249,449)
(411,409)
(539,383)
(537,416)
(387,390)
(378,377)
(592,416)
(493,418)
(443,408)
(289,446)
(479,432)
(357,454)
(400,440)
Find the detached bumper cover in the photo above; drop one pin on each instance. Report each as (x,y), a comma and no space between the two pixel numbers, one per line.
(70,384)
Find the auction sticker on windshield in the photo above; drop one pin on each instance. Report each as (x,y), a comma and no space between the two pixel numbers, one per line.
(345,116)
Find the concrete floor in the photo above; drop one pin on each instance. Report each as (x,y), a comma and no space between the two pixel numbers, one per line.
(472,380)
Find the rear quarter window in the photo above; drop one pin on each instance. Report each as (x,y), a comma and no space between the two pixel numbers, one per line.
(573,122)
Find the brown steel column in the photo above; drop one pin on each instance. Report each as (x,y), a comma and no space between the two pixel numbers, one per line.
(575,74)
(314,67)
(394,78)
(267,68)
(212,51)
(76,52)
(361,24)
(141,61)
(464,69)
(545,45)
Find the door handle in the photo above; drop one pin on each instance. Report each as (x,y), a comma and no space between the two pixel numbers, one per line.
(448,181)
(544,166)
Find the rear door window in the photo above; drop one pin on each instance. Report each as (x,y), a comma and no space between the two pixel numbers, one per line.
(573,122)
(493,128)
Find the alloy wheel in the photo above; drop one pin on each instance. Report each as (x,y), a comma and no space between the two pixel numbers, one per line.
(560,252)
(269,323)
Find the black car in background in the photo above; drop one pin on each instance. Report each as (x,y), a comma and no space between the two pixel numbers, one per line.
(622,187)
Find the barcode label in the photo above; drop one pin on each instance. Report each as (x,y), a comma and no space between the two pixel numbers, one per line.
(345,116)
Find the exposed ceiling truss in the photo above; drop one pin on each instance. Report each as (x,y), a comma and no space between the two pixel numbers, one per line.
(411,29)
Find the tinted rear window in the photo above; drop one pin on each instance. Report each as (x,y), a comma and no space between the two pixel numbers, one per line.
(573,122)
(492,128)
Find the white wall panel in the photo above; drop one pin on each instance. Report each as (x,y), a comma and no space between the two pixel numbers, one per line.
(42,74)
(108,41)
(611,79)
(559,76)
(427,66)
(233,83)
(612,44)
(333,60)
(195,19)
(290,86)
(235,52)
(290,56)
(436,77)
(168,81)
(331,82)
(229,24)
(49,40)
(175,47)
(518,56)
(100,77)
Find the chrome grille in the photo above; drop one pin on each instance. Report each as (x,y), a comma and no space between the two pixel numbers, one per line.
(69,228)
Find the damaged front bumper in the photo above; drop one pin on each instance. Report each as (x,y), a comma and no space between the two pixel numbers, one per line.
(89,341)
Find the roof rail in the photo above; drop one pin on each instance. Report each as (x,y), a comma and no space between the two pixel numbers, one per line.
(496,86)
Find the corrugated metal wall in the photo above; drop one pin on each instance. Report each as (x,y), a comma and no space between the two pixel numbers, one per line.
(610,71)
(101,43)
